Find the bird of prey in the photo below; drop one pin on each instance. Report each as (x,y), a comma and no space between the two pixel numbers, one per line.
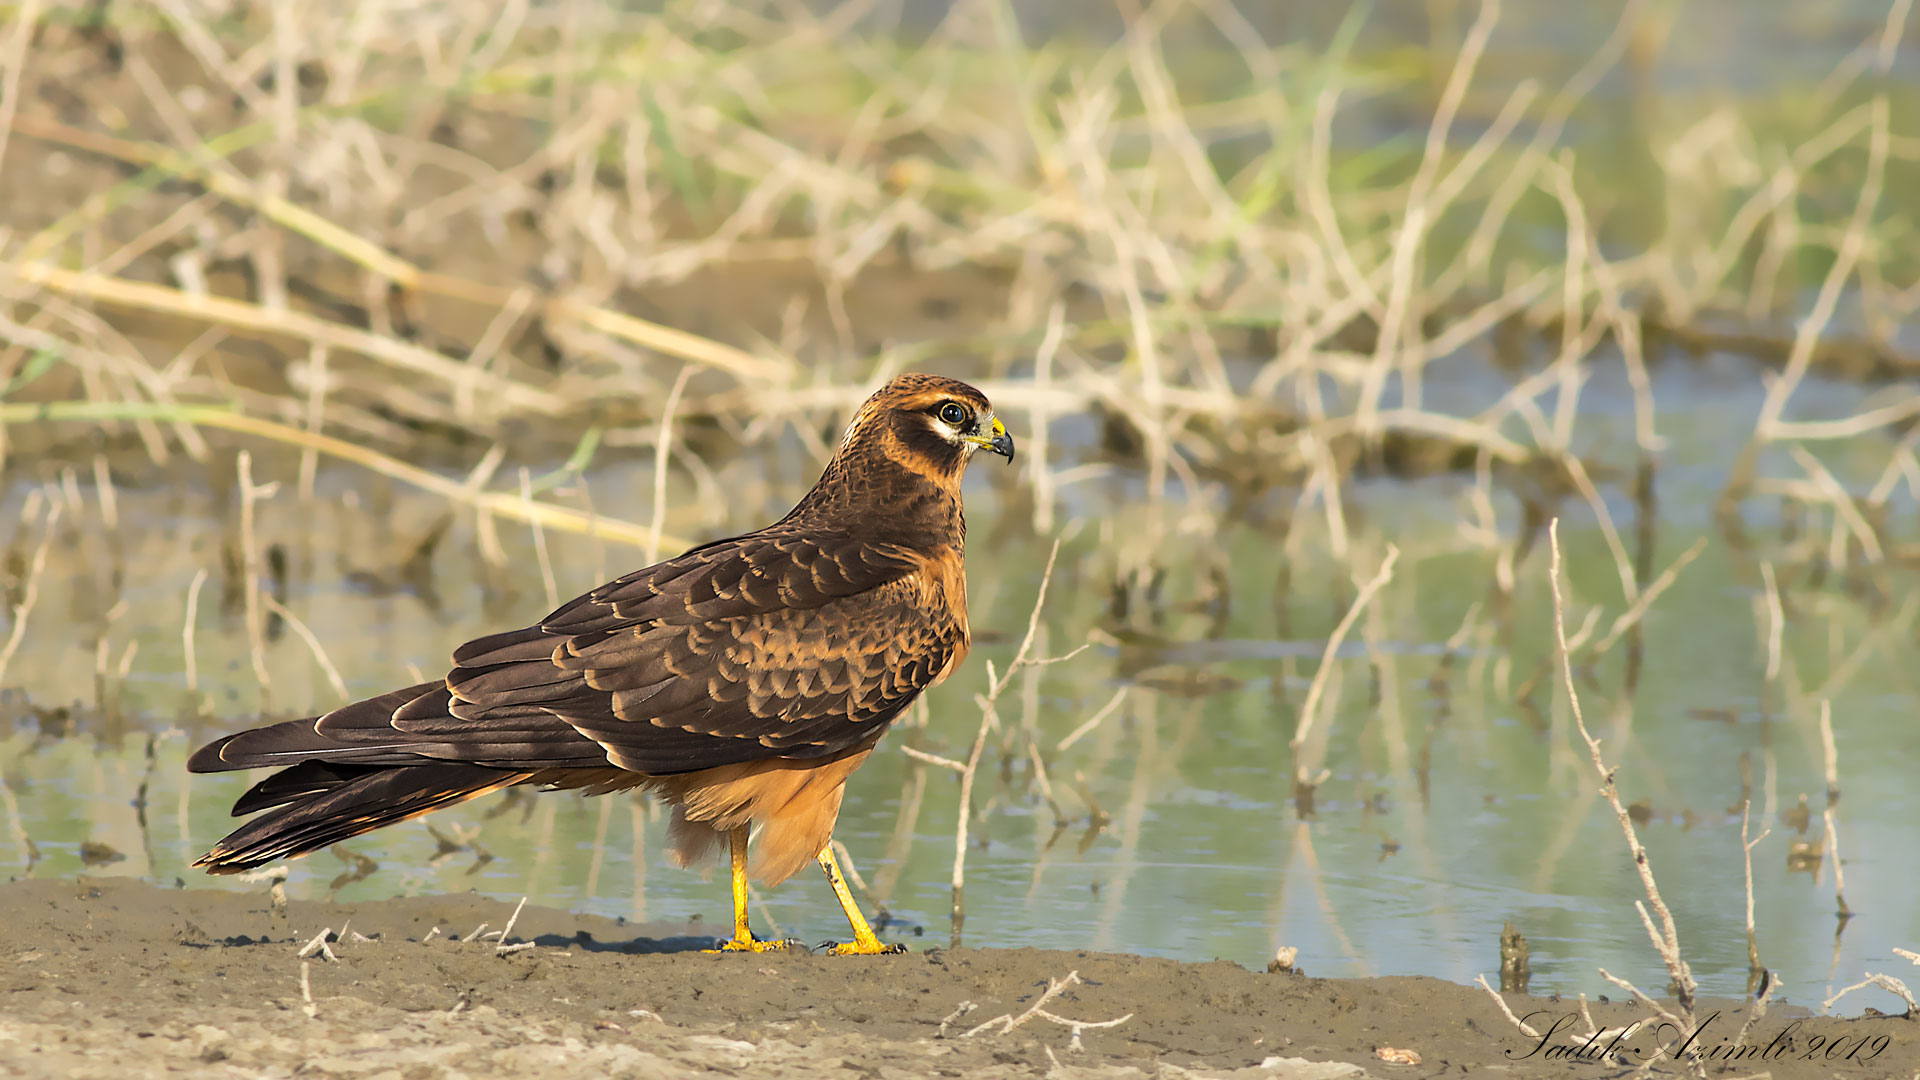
(741,682)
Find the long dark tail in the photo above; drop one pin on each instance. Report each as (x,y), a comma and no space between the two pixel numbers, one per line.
(339,802)
(353,780)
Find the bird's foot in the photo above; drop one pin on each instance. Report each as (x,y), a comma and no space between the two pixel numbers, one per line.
(750,944)
(857,947)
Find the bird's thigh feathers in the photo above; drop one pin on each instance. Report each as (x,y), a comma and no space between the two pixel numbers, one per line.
(793,804)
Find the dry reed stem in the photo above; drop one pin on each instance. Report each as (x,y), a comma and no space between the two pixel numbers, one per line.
(1046,788)
(1665,938)
(188,624)
(1631,617)
(947,1021)
(1829,490)
(1885,637)
(602,823)
(13,67)
(315,419)
(913,792)
(1807,335)
(512,507)
(987,716)
(1776,621)
(250,574)
(1901,465)
(1831,754)
(1038,1010)
(16,827)
(1681,1022)
(306,634)
(30,594)
(1850,427)
(662,454)
(318,944)
(1112,705)
(1476,258)
(104,492)
(1747,846)
(1757,1005)
(1038,422)
(1622,562)
(1756,1008)
(1412,234)
(306,991)
(1884,982)
(548,583)
(254,318)
(1310,708)
(1575,340)
(1501,1003)
(502,948)
(918,754)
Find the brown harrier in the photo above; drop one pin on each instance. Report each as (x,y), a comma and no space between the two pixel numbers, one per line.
(742,682)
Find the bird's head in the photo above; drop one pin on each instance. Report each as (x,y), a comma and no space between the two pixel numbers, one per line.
(898,467)
(930,424)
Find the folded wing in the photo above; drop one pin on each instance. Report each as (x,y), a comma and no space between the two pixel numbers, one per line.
(766,646)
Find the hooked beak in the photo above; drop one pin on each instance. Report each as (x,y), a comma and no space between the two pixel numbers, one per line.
(999,442)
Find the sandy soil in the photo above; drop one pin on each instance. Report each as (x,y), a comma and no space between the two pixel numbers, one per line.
(115,978)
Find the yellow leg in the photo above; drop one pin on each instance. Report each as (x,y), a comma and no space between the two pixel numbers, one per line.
(864,942)
(743,939)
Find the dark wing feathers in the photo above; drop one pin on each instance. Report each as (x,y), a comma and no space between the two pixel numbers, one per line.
(531,643)
(764,646)
(743,576)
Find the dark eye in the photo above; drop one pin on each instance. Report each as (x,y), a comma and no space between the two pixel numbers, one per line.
(951,413)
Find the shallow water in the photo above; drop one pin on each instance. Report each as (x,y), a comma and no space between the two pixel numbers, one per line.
(1458,799)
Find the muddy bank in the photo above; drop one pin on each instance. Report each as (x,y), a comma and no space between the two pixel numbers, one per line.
(119,978)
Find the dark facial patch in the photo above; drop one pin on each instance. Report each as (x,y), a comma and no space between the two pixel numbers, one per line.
(920,434)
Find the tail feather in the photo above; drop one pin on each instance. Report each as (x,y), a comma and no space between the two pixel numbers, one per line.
(298,782)
(354,770)
(320,803)
(361,733)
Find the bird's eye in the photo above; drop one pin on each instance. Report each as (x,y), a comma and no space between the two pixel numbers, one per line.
(951,413)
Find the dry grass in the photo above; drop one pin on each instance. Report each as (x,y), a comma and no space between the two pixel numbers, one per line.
(405,228)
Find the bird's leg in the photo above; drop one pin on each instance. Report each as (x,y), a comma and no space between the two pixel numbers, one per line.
(864,942)
(743,939)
